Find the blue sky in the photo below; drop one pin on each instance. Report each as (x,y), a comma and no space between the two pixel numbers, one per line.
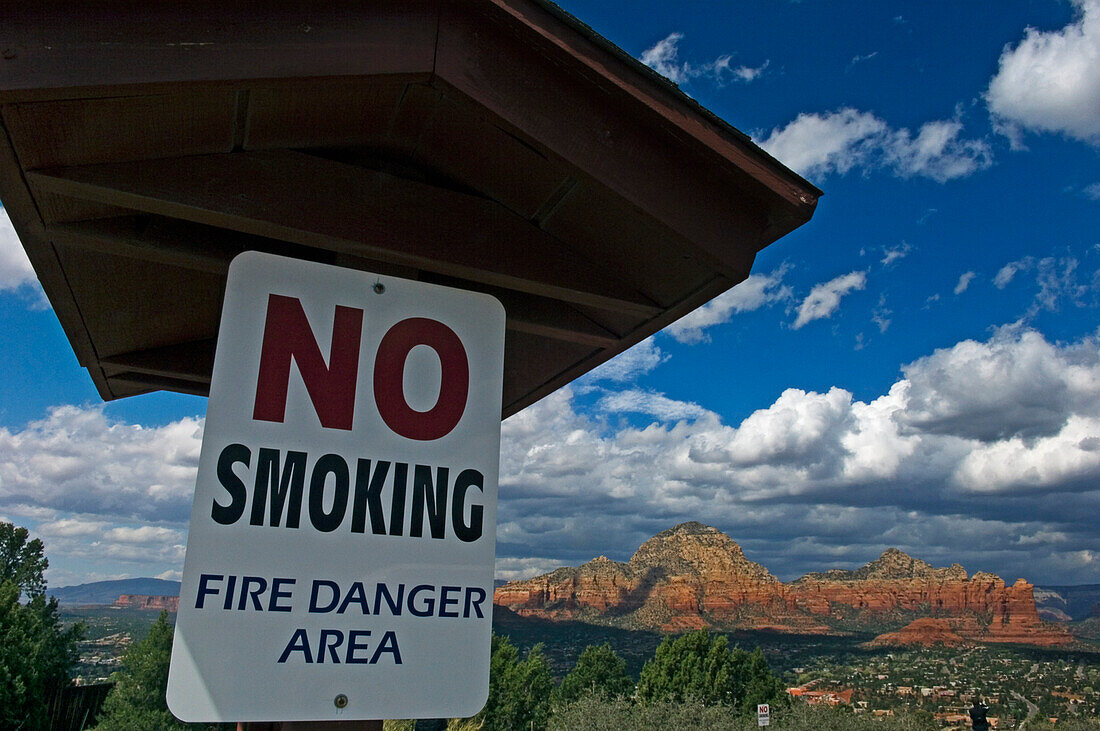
(919,366)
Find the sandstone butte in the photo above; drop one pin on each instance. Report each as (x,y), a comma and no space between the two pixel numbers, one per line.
(146,601)
(694,576)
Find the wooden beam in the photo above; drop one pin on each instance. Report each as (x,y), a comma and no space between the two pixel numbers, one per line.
(143,383)
(52,48)
(320,203)
(135,237)
(193,362)
(199,248)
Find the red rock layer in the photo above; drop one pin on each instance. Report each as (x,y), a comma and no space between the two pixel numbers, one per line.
(145,601)
(693,576)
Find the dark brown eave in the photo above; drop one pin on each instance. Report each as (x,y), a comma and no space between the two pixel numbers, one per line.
(495,145)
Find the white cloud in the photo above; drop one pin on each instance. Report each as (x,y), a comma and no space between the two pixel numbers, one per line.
(981,450)
(631,363)
(896,253)
(984,451)
(964,282)
(1006,273)
(663,57)
(936,152)
(1015,385)
(824,299)
(1092,192)
(15,267)
(76,460)
(1056,279)
(881,315)
(1064,458)
(861,59)
(746,73)
(514,569)
(1049,81)
(836,142)
(817,144)
(660,407)
(752,294)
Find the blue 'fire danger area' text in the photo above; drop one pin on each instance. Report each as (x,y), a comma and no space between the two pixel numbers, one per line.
(348,646)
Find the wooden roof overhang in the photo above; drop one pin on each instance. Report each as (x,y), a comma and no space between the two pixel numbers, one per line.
(494,145)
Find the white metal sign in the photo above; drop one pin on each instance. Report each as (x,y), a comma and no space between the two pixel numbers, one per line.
(763,714)
(340,558)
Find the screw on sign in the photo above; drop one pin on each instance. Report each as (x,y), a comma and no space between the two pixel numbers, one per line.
(763,714)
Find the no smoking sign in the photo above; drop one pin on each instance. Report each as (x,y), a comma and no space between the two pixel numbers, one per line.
(340,557)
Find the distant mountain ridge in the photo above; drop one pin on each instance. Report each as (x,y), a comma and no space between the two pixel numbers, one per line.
(106,592)
(1068,603)
(694,576)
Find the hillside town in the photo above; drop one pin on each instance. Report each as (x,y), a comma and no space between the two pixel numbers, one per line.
(1016,685)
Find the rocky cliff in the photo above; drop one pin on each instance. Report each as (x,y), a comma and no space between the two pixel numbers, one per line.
(145,601)
(694,576)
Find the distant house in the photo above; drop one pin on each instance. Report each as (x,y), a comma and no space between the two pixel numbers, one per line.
(822,697)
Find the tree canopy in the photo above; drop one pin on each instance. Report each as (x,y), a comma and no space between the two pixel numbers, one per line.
(21,561)
(702,666)
(519,690)
(598,670)
(37,653)
(137,703)
(137,700)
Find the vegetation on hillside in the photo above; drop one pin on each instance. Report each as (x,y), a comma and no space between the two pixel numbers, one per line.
(137,703)
(37,653)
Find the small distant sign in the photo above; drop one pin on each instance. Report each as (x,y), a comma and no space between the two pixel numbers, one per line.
(340,558)
(763,714)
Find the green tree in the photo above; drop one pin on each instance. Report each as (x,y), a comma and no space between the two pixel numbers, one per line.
(598,670)
(519,690)
(22,561)
(761,684)
(137,703)
(702,666)
(37,653)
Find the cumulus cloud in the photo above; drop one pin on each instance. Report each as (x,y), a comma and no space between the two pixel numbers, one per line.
(755,292)
(847,139)
(15,267)
(985,452)
(77,460)
(964,282)
(824,299)
(1017,385)
(663,57)
(1092,192)
(1048,81)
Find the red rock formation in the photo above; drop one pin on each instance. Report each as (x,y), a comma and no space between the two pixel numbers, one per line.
(693,576)
(925,631)
(145,601)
